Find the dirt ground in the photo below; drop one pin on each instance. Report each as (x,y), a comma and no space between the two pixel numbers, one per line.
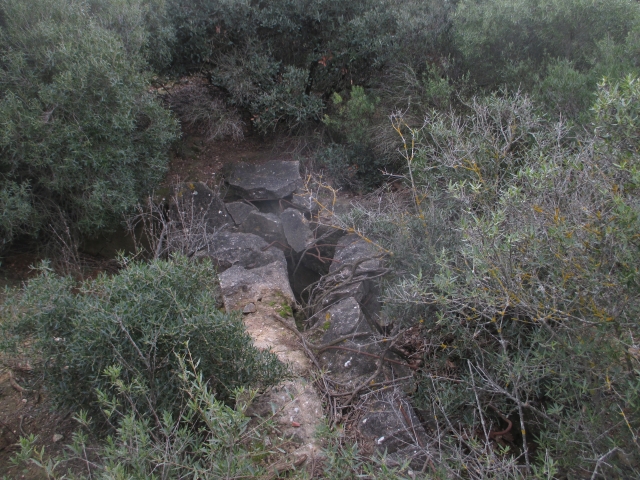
(25,411)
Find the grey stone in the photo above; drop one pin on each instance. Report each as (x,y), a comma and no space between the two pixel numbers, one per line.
(194,199)
(266,225)
(356,290)
(350,250)
(249,308)
(58,437)
(239,211)
(270,181)
(304,201)
(240,286)
(294,406)
(391,425)
(345,318)
(242,249)
(356,356)
(296,230)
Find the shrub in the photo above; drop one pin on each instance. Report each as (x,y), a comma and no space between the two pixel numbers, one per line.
(203,112)
(557,48)
(81,138)
(494,34)
(133,327)
(350,158)
(519,254)
(282,60)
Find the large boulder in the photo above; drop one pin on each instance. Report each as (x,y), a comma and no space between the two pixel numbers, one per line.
(390,425)
(227,249)
(296,230)
(266,225)
(239,211)
(195,202)
(270,181)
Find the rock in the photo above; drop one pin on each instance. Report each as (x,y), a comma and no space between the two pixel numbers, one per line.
(249,308)
(356,290)
(243,249)
(266,225)
(345,318)
(390,425)
(350,250)
(356,357)
(296,230)
(270,181)
(193,201)
(298,412)
(240,286)
(268,289)
(239,211)
(304,201)
(57,437)
(349,361)
(353,250)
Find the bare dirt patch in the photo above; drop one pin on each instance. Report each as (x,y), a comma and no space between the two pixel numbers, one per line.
(25,410)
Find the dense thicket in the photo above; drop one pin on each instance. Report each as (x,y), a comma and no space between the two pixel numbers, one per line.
(514,124)
(519,252)
(134,327)
(81,135)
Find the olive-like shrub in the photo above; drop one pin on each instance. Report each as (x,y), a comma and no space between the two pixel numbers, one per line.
(82,137)
(138,323)
(517,251)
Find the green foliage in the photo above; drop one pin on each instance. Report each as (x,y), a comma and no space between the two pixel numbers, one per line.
(560,48)
(497,35)
(203,439)
(523,252)
(281,60)
(81,137)
(143,26)
(350,159)
(122,336)
(206,440)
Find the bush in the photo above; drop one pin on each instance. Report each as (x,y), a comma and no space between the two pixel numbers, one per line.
(206,440)
(134,327)
(282,60)
(558,48)
(203,112)
(495,35)
(82,138)
(350,158)
(520,258)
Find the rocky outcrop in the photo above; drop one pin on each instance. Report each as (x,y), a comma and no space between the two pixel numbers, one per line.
(196,202)
(275,224)
(296,230)
(270,181)
(239,211)
(228,249)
